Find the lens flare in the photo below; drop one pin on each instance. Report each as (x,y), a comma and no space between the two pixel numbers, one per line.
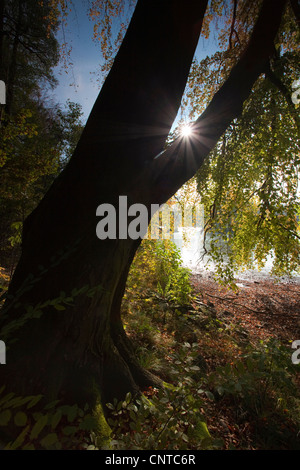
(186,130)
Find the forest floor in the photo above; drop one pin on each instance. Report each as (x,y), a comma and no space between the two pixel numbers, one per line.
(244,342)
(263,309)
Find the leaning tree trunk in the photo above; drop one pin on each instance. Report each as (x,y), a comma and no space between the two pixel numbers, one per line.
(80,353)
(76,349)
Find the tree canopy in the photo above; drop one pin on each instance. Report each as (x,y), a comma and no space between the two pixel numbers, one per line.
(249,183)
(37,135)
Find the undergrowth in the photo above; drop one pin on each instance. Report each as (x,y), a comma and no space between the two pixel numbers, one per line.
(222,389)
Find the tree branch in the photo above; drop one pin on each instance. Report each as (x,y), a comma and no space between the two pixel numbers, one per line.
(296,9)
(185,156)
(292,232)
(285,92)
(225,299)
(232,30)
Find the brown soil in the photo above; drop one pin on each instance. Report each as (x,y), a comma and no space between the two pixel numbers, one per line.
(265,308)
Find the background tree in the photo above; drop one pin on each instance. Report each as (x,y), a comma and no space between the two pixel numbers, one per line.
(29,50)
(35,134)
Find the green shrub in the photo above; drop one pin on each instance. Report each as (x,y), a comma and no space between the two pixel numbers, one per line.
(170,419)
(50,427)
(261,381)
(157,267)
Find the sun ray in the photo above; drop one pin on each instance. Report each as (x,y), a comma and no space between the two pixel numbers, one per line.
(186,130)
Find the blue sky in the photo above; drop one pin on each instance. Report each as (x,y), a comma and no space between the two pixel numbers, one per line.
(80,84)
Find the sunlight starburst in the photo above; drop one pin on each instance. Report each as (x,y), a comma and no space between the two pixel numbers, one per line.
(186,130)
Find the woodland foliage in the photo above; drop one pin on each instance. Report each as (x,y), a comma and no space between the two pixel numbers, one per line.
(37,136)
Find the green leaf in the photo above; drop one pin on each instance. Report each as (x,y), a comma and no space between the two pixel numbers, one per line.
(20,439)
(49,440)
(132,407)
(34,401)
(209,395)
(21,401)
(51,405)
(6,398)
(59,307)
(202,430)
(15,402)
(195,368)
(132,426)
(70,412)
(88,423)
(28,446)
(39,426)
(20,418)
(69,430)
(56,419)
(128,398)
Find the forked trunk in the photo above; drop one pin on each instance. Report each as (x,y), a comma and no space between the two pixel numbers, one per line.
(71,345)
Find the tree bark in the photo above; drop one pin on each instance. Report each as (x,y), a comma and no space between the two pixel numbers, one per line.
(81,354)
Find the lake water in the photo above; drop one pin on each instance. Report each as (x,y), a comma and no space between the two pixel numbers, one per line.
(192,257)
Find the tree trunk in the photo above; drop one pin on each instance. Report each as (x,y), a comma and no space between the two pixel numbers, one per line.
(81,354)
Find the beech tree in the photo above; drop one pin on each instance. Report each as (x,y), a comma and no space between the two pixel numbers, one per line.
(61,320)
